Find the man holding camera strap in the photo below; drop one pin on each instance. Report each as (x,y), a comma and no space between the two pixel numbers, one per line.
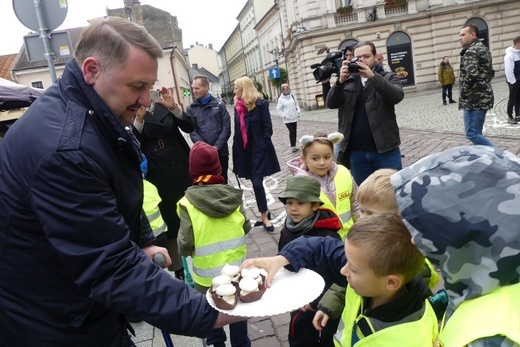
(366,96)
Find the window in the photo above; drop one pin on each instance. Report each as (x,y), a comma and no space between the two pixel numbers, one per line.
(37,84)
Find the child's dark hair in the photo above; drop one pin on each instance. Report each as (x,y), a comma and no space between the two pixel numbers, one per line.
(385,239)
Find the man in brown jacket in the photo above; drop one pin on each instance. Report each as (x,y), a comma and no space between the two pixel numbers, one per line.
(447,78)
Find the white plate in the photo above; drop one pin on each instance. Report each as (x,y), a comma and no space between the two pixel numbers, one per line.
(289,291)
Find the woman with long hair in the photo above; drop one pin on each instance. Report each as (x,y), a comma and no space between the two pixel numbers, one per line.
(254,156)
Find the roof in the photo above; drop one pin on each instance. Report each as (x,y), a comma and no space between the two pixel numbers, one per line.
(6,61)
(202,71)
(22,63)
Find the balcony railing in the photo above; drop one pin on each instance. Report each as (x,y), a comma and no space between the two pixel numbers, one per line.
(340,18)
(393,9)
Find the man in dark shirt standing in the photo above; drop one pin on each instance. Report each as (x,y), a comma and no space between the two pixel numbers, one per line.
(366,96)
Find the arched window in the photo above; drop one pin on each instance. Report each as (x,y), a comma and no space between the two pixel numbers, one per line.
(483,32)
(347,42)
(400,57)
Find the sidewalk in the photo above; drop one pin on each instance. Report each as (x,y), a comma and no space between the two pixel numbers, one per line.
(426,127)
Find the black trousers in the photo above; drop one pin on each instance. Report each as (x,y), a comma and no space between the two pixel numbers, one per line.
(446,90)
(292,132)
(514,99)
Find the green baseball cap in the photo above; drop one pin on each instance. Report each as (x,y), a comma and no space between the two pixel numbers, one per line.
(303,188)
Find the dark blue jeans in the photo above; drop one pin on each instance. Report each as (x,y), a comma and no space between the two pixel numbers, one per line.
(238,332)
(363,164)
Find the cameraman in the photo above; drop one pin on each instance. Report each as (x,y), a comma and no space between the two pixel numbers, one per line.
(325,85)
(365,95)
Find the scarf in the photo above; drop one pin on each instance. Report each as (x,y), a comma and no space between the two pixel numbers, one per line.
(242,110)
(303,226)
(208,179)
(205,100)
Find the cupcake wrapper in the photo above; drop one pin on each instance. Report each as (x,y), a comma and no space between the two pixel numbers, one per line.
(221,303)
(254,296)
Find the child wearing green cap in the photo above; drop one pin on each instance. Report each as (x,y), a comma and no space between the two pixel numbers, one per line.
(306,216)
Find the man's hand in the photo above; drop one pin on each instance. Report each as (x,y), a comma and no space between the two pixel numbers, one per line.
(343,72)
(139,116)
(364,70)
(152,250)
(167,98)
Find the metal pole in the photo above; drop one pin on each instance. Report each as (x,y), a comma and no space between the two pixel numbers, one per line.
(44,36)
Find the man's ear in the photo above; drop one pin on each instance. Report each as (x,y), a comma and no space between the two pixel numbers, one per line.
(91,70)
(394,282)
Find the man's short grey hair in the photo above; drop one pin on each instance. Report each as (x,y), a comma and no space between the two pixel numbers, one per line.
(109,40)
(203,80)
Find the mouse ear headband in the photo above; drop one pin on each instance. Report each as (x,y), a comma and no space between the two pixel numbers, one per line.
(334,138)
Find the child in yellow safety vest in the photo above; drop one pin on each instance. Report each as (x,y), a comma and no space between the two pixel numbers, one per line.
(151,201)
(375,195)
(386,301)
(338,188)
(212,230)
(462,209)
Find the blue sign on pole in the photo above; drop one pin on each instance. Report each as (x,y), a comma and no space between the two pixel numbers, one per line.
(274,73)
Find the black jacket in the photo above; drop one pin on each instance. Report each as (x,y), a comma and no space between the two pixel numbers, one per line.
(386,92)
(259,158)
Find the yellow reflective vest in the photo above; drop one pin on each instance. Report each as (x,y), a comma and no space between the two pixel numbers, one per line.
(343,185)
(151,200)
(496,313)
(421,333)
(217,242)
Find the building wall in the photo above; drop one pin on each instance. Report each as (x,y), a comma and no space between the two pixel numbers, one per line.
(432,26)
(235,58)
(160,24)
(204,57)
(271,48)
(27,77)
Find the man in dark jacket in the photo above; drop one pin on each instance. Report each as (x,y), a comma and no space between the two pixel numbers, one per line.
(74,257)
(212,121)
(366,96)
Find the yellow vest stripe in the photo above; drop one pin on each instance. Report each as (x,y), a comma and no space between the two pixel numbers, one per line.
(215,271)
(219,246)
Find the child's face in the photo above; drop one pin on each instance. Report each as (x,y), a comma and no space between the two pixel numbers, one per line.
(359,275)
(318,158)
(299,210)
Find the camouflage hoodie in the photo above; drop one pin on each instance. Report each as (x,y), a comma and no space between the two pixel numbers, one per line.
(476,72)
(462,208)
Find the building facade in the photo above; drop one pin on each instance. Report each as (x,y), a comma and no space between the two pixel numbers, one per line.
(414,35)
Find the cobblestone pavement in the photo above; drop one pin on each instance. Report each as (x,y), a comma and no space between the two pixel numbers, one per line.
(426,127)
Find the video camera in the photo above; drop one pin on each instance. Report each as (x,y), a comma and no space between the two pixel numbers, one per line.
(330,65)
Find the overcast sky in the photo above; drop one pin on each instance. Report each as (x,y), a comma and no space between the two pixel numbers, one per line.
(203,21)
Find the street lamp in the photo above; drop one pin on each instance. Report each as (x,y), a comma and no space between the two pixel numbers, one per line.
(277,53)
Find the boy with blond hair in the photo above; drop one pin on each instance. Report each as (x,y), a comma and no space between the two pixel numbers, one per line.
(374,195)
(386,301)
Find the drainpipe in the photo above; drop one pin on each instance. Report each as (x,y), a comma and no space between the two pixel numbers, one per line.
(175,81)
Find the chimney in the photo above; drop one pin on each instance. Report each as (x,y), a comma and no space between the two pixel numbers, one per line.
(195,66)
(210,46)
